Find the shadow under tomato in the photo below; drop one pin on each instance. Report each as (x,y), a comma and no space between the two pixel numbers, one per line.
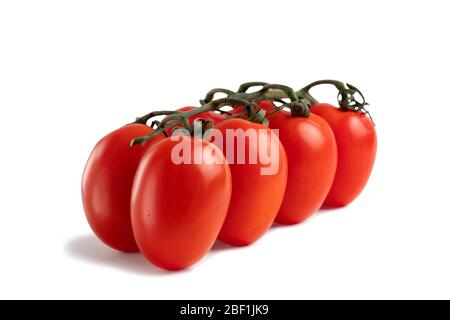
(89,249)
(220,246)
(278,226)
(329,209)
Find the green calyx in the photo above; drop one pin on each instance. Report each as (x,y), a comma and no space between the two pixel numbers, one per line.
(347,96)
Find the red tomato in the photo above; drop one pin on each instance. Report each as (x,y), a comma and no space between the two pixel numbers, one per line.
(216,117)
(312,156)
(177,210)
(106,187)
(356,144)
(256,198)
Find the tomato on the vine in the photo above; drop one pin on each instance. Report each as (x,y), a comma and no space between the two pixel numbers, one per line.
(177,209)
(256,196)
(356,144)
(257,164)
(312,156)
(107,182)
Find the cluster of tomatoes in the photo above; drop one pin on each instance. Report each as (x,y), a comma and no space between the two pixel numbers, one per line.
(136,198)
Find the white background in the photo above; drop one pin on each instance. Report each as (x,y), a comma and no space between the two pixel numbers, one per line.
(72,71)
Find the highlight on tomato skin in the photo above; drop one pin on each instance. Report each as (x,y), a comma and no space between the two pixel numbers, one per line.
(106,186)
(178,209)
(356,142)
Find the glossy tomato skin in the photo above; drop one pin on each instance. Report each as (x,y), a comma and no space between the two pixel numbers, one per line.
(106,186)
(312,157)
(357,145)
(177,210)
(256,198)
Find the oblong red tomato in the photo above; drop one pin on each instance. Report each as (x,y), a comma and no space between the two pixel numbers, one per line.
(177,209)
(357,146)
(312,157)
(106,186)
(257,193)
